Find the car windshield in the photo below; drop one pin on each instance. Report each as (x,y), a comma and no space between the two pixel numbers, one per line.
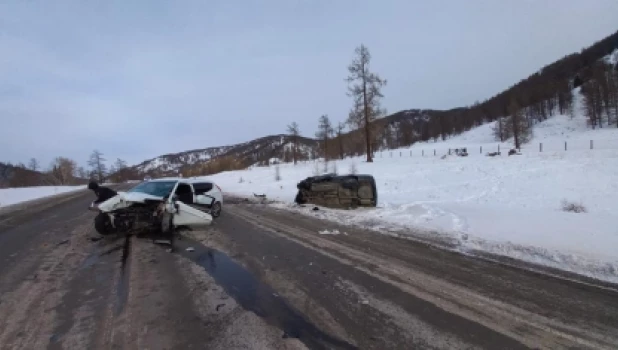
(155,188)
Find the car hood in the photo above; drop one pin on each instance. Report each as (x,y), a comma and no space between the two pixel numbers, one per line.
(125,199)
(138,197)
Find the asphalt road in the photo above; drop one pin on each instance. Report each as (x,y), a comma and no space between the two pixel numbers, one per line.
(260,278)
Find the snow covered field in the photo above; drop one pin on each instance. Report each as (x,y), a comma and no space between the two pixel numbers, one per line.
(504,205)
(9,196)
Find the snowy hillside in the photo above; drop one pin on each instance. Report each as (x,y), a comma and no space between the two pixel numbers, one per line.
(173,162)
(511,206)
(549,135)
(612,58)
(255,151)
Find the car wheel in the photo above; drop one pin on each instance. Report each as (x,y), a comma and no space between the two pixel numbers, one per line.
(167,225)
(216,210)
(103,224)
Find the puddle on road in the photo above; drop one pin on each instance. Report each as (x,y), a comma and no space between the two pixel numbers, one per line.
(258,297)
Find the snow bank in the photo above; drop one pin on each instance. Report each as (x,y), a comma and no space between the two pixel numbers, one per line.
(504,205)
(9,196)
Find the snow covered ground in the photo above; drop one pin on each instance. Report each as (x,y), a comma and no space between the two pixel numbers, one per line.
(9,196)
(504,205)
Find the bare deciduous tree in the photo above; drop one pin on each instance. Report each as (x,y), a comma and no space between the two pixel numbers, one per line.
(293,129)
(325,131)
(340,128)
(120,164)
(33,164)
(97,164)
(517,125)
(62,170)
(81,173)
(499,130)
(365,88)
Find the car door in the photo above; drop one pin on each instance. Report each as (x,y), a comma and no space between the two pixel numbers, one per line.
(184,213)
(202,194)
(187,215)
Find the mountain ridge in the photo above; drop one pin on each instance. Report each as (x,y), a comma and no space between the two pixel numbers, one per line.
(543,94)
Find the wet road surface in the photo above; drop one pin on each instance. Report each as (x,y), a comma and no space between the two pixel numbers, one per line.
(262,278)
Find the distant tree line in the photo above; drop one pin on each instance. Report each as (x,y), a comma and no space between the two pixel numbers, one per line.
(65,171)
(601,95)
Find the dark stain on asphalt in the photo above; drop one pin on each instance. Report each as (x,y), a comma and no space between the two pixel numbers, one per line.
(122,288)
(89,261)
(258,297)
(113,249)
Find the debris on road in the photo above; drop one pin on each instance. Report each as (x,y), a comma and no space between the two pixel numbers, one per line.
(290,334)
(65,241)
(327,232)
(219,306)
(95,239)
(190,249)
(163,241)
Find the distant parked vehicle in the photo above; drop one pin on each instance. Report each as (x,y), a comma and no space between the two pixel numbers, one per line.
(333,191)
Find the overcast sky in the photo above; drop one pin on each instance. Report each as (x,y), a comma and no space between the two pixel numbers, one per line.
(137,79)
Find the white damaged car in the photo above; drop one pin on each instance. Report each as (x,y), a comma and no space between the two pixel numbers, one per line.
(160,205)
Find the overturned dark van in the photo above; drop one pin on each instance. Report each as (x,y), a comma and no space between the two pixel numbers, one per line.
(333,191)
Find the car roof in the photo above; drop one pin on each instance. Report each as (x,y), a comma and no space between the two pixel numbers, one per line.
(183,179)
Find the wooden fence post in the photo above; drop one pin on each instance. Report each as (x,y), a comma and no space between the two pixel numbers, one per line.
(481,150)
(434,151)
(540,146)
(565,145)
(591,145)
